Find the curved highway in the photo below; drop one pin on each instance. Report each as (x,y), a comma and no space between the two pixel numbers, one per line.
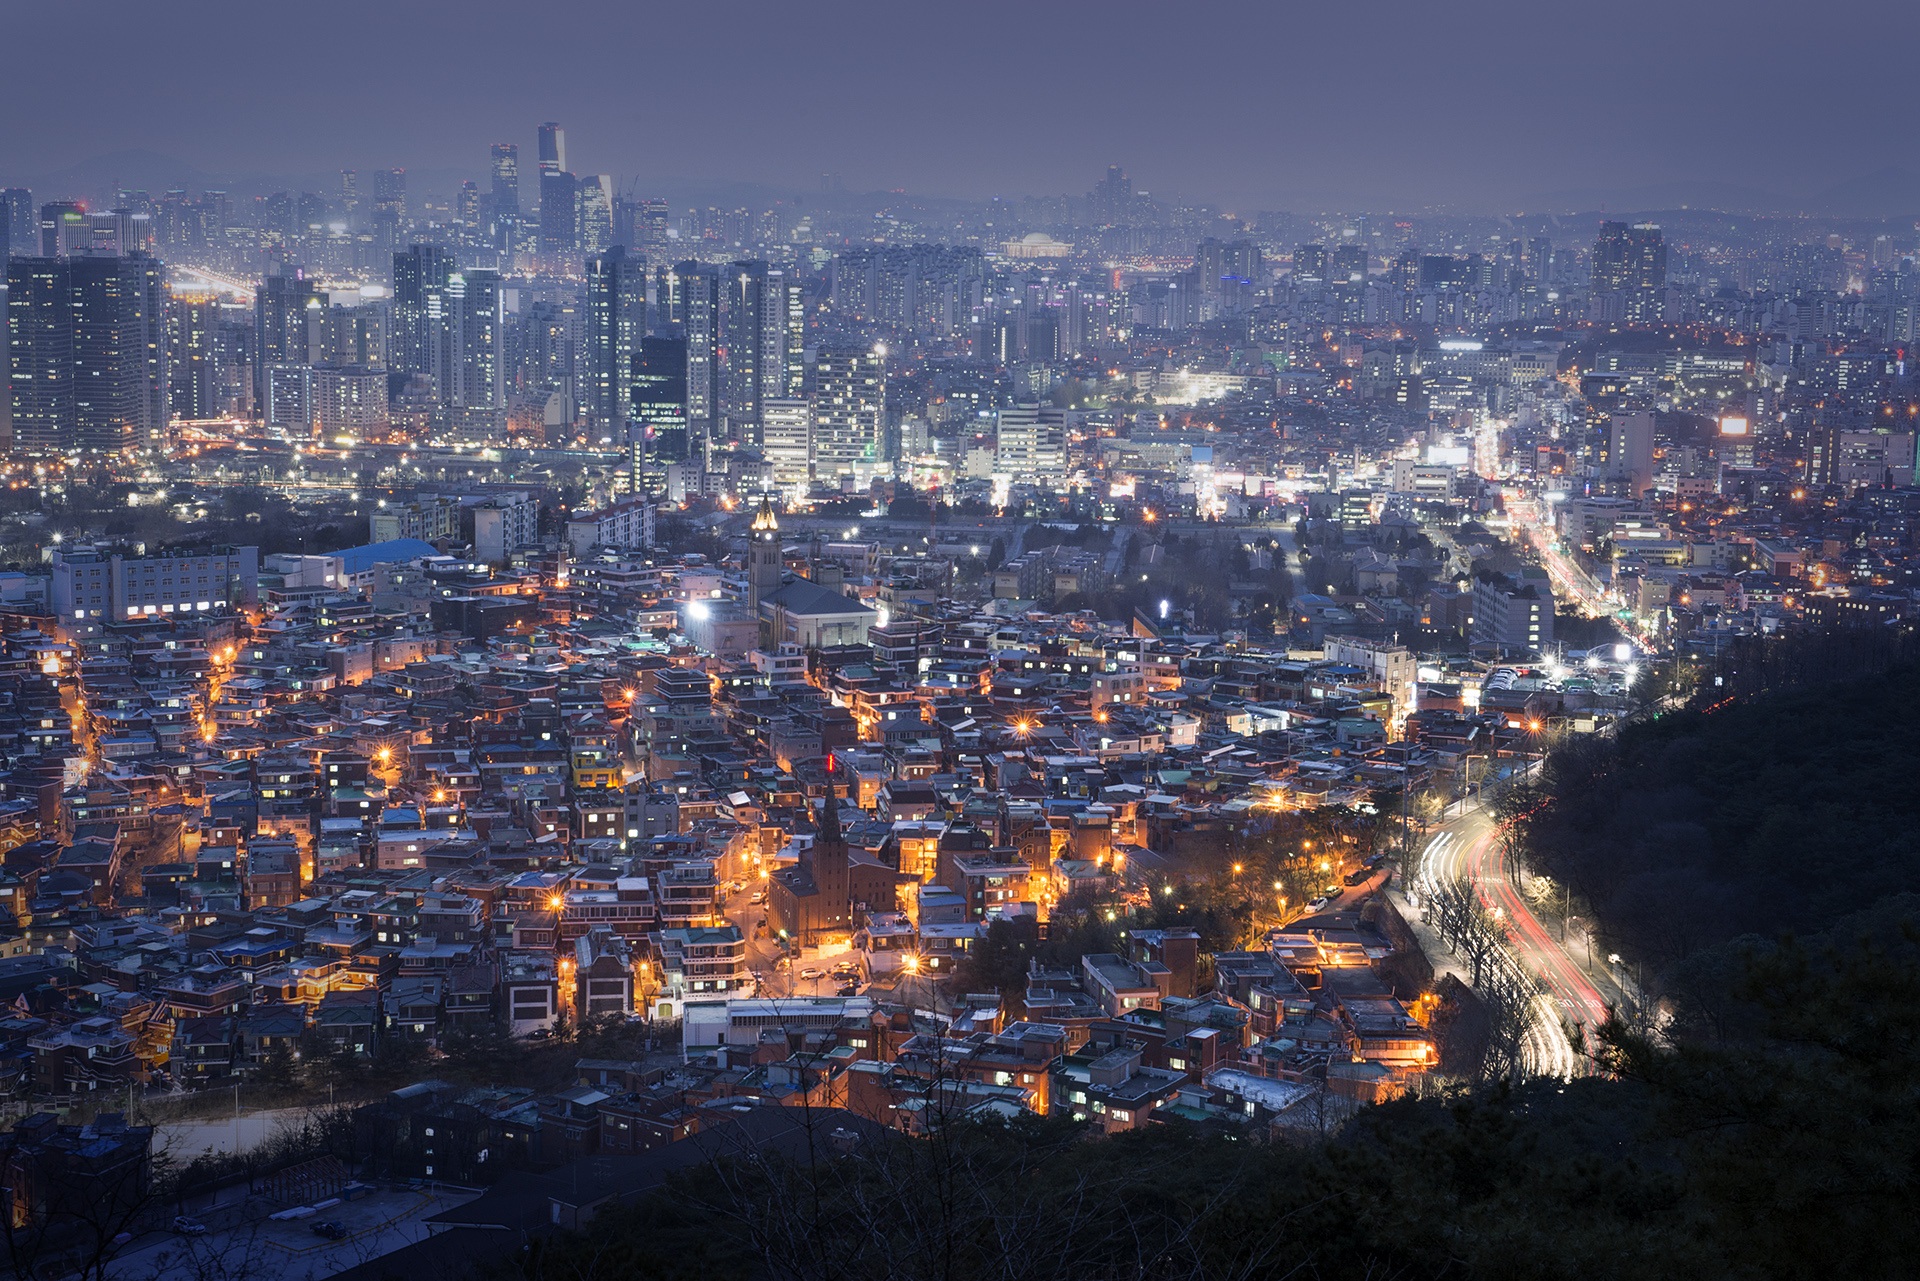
(1468,849)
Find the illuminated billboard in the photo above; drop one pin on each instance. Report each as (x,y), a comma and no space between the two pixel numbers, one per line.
(1731,426)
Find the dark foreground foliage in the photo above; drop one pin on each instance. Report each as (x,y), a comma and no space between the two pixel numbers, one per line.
(1790,1152)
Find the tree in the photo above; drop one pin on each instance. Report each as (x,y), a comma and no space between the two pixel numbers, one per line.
(278,1067)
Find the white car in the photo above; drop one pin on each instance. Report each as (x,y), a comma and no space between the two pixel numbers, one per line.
(809,974)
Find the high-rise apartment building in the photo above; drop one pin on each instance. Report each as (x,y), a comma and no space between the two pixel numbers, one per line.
(87,352)
(289,314)
(420,276)
(745,323)
(616,321)
(688,295)
(765,332)
(193,361)
(472,374)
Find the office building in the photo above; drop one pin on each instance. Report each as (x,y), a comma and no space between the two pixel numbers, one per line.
(505,185)
(87,352)
(658,405)
(1629,273)
(64,229)
(23,228)
(848,409)
(1031,446)
(93,586)
(390,194)
(559,207)
(553,148)
(616,321)
(559,217)
(593,197)
(1851,460)
(786,440)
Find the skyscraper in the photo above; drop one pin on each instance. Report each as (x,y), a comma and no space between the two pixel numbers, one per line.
(64,227)
(289,318)
(616,321)
(559,216)
(87,351)
(849,405)
(506,179)
(553,148)
(473,392)
(1629,271)
(23,229)
(745,321)
(1111,200)
(420,277)
(593,196)
(350,194)
(689,298)
(659,402)
(504,197)
(390,194)
(193,381)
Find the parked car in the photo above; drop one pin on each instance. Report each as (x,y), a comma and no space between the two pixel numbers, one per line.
(758,897)
(1317,905)
(1357,875)
(331,1229)
(189,1227)
(848,989)
(810,974)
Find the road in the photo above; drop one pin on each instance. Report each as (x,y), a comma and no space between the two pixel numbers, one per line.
(1469,849)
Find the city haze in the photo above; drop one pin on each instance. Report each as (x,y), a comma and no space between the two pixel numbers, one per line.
(1491,107)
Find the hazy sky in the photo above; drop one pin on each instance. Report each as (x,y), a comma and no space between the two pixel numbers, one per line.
(1269,103)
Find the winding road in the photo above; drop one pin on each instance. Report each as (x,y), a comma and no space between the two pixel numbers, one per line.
(1468,849)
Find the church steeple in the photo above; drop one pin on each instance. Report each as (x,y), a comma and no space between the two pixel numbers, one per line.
(830,812)
(765,560)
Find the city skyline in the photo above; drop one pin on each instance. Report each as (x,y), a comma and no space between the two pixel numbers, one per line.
(1486,109)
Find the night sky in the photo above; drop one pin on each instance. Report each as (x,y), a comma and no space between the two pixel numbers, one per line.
(1484,104)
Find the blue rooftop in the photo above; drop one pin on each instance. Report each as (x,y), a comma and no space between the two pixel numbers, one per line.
(358,560)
